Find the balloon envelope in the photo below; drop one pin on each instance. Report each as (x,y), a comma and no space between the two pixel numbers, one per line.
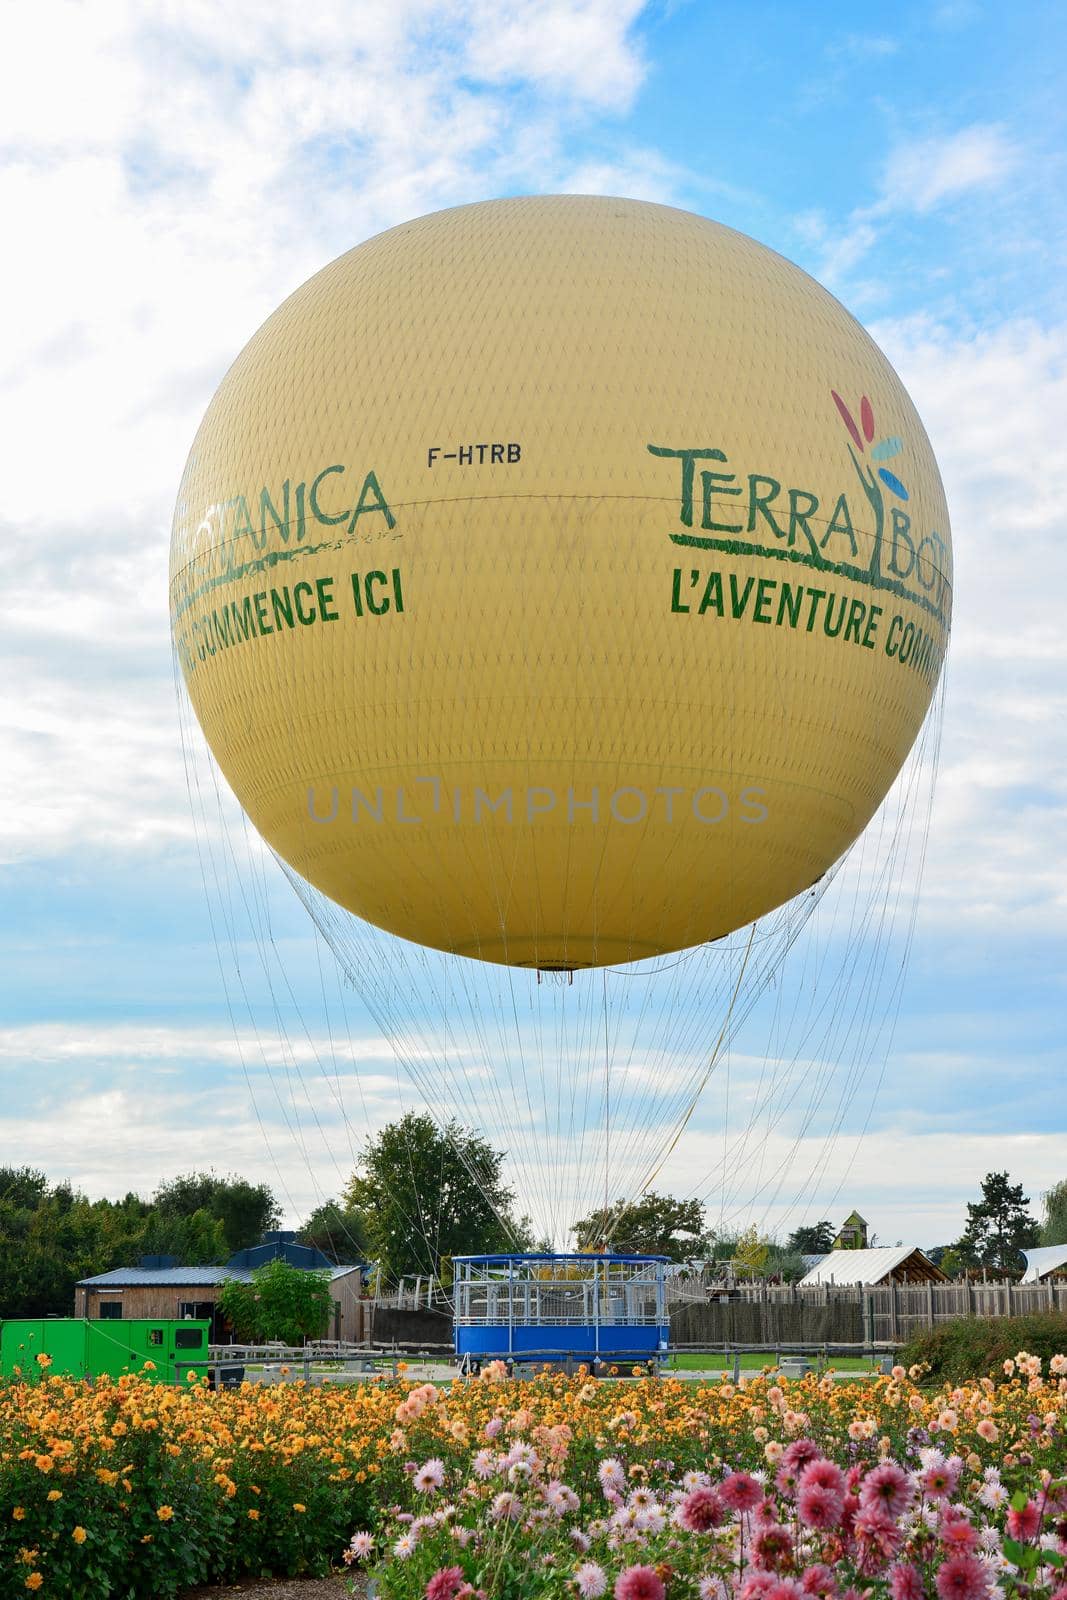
(561,581)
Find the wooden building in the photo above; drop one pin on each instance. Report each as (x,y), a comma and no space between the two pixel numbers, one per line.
(852,1234)
(157,1287)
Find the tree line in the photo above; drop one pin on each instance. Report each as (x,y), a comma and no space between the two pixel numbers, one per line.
(51,1235)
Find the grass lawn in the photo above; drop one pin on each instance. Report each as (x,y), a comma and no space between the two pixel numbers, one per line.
(715,1361)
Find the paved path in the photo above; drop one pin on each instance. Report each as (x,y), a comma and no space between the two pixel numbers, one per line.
(335,1587)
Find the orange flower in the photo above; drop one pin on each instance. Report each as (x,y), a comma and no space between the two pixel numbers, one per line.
(79,1535)
(165,1513)
(19,1513)
(55,1494)
(34,1581)
(298,1507)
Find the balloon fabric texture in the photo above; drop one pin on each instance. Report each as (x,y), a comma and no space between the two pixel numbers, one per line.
(561,581)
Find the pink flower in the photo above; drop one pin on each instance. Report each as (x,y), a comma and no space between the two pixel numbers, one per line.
(940,1477)
(757,1585)
(905,1582)
(957,1534)
(611,1475)
(639,1583)
(1024,1524)
(772,1547)
(506,1507)
(786,1589)
(800,1454)
(740,1491)
(936,1483)
(962,1577)
(878,1537)
(430,1476)
(785,1481)
(767,1510)
(701,1510)
(889,1488)
(819,1580)
(445,1584)
(561,1497)
(590,1580)
(493,1427)
(823,1475)
(820,1508)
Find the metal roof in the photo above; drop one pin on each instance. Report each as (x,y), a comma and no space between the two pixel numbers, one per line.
(178,1277)
(587,1258)
(1040,1262)
(864,1266)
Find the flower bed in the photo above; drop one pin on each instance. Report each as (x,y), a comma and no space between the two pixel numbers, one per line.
(551,1487)
(773,1492)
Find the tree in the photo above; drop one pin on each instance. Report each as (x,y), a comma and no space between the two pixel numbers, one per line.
(340,1232)
(427,1194)
(22,1187)
(783,1263)
(950,1261)
(278,1302)
(998,1226)
(751,1252)
(814,1240)
(654,1225)
(246,1210)
(1054,1227)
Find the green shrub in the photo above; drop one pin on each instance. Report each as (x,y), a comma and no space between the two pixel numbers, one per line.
(977,1347)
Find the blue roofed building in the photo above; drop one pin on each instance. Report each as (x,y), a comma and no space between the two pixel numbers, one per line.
(158,1287)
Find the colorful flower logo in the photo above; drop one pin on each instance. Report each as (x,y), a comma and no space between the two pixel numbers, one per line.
(884,450)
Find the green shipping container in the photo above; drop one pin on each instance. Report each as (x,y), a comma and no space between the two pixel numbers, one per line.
(78,1348)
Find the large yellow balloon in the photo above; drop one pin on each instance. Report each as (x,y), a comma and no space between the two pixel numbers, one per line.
(561,581)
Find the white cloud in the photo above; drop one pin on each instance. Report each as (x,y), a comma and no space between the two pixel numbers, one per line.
(186,169)
(863,47)
(283,1107)
(580,49)
(919,177)
(909,1183)
(147,1045)
(994,405)
(923,173)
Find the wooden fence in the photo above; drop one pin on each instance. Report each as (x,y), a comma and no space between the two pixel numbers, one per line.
(875,1314)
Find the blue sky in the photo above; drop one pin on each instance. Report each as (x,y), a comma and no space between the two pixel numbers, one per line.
(168,177)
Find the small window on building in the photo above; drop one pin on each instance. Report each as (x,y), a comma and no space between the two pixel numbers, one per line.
(109,1309)
(188,1338)
(155,1335)
(196,1310)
